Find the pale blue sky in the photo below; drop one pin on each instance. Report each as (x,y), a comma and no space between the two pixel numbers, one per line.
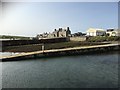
(31,18)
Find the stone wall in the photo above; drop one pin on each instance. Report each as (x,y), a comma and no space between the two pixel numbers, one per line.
(80,38)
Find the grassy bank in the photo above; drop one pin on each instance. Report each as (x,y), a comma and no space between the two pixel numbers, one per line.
(103,38)
(37,47)
(14,37)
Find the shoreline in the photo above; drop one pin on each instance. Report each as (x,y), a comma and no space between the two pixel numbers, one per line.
(65,55)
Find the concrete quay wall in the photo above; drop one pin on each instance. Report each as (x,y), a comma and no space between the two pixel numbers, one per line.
(66,51)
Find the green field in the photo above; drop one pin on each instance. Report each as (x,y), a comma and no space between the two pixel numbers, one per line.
(103,38)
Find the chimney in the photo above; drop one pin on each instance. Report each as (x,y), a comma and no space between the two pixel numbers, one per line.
(68,28)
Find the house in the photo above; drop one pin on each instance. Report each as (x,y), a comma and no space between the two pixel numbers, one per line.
(78,34)
(60,33)
(113,32)
(64,32)
(44,35)
(95,32)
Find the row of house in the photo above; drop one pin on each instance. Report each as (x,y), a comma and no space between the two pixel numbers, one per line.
(60,32)
(102,32)
(65,32)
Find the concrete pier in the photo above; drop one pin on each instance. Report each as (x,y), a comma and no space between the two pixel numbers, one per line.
(65,51)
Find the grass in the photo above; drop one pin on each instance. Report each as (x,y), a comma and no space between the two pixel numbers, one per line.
(103,38)
(14,37)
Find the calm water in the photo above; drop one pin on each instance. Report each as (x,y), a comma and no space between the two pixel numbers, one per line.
(83,71)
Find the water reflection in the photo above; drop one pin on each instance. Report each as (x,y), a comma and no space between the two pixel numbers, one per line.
(3,54)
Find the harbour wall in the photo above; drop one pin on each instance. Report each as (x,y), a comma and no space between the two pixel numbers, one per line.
(65,52)
(26,42)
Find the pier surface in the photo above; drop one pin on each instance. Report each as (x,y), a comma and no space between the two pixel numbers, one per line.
(65,50)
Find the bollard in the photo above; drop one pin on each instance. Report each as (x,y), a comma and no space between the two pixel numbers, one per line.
(43,47)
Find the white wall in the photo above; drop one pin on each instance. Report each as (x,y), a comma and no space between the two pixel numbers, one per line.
(80,38)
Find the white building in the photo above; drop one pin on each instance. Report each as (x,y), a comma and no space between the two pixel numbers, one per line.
(95,32)
(113,32)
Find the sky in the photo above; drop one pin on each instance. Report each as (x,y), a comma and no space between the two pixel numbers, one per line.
(32,18)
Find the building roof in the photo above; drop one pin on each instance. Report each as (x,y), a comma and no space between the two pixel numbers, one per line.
(94,30)
(115,30)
